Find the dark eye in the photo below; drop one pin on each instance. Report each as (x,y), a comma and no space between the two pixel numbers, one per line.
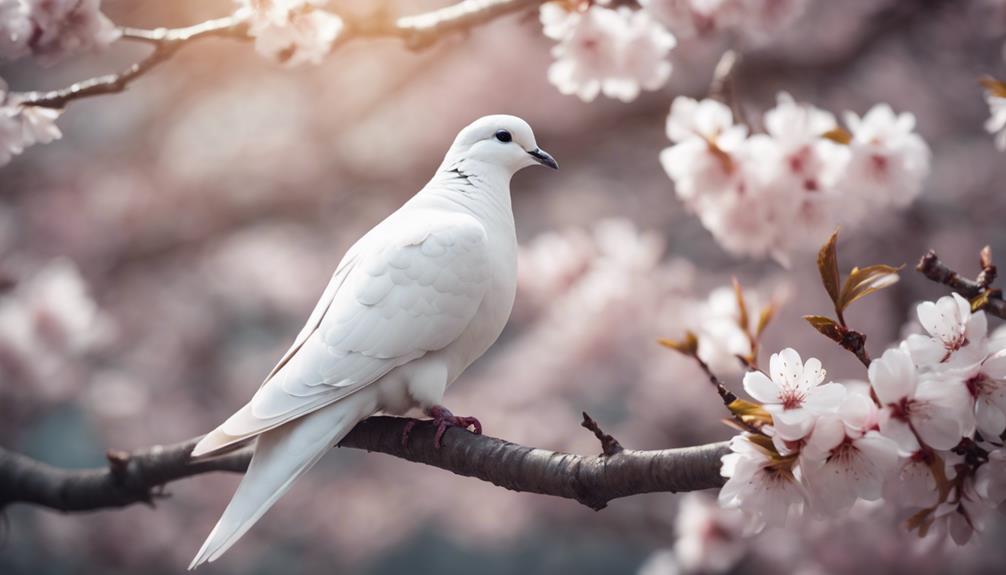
(503,136)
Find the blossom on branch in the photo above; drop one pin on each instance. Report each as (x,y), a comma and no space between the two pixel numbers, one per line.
(609,51)
(51,30)
(796,393)
(755,19)
(23,126)
(782,191)
(291,31)
(761,484)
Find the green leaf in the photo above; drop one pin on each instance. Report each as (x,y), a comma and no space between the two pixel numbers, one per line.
(827,326)
(688,346)
(827,264)
(864,281)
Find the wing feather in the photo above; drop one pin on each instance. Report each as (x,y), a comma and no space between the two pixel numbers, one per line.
(390,303)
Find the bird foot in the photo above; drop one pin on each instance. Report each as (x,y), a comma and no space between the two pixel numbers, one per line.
(444,419)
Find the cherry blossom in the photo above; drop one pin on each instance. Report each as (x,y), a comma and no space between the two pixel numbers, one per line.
(51,30)
(763,487)
(782,191)
(709,538)
(705,138)
(755,19)
(912,484)
(23,126)
(889,160)
(955,335)
(996,124)
(939,412)
(964,515)
(615,52)
(291,31)
(15,30)
(990,479)
(46,319)
(794,394)
(986,381)
(846,458)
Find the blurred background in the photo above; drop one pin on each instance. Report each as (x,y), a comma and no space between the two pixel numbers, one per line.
(169,247)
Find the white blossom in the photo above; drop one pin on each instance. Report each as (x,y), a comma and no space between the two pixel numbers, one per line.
(15,29)
(782,191)
(955,335)
(709,538)
(47,318)
(794,394)
(765,489)
(705,139)
(996,124)
(846,458)
(939,411)
(23,126)
(291,31)
(986,381)
(889,160)
(615,52)
(757,20)
(51,30)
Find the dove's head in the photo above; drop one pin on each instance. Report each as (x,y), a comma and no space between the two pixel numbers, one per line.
(497,143)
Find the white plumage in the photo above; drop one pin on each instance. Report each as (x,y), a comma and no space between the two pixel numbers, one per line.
(414,302)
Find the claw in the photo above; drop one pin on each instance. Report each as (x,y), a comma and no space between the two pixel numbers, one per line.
(407,430)
(444,419)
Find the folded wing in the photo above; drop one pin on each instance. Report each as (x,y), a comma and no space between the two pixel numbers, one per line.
(412,290)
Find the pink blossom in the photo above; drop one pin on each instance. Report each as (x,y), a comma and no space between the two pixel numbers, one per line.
(59,28)
(846,458)
(291,31)
(23,126)
(955,335)
(889,160)
(709,537)
(763,488)
(996,124)
(615,52)
(794,394)
(940,412)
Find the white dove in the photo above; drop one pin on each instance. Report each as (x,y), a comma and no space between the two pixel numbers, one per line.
(414,302)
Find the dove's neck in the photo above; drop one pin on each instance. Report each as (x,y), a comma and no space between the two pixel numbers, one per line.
(481,188)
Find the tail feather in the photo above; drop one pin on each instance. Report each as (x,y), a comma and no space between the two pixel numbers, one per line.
(281,456)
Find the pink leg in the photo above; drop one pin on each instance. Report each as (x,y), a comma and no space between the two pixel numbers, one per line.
(443,418)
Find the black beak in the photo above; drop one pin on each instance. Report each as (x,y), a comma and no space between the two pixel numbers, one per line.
(544,158)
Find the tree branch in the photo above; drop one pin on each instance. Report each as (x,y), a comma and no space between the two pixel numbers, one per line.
(990,298)
(137,477)
(417,32)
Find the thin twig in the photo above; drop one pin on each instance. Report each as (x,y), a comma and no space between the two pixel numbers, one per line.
(609,445)
(417,32)
(992,301)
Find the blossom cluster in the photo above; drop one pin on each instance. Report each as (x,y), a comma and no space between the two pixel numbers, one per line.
(50,30)
(45,320)
(774,193)
(620,51)
(612,51)
(924,433)
(291,31)
(756,20)
(23,126)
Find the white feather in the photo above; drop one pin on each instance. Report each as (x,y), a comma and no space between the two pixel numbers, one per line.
(411,305)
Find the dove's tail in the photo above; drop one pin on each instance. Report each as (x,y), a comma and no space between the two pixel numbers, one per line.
(281,456)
